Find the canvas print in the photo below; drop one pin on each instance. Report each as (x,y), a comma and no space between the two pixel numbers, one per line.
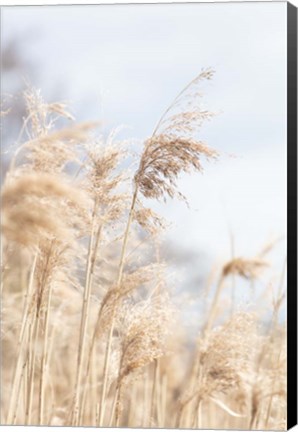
(143,215)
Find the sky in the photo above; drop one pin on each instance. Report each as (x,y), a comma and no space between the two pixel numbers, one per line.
(124,64)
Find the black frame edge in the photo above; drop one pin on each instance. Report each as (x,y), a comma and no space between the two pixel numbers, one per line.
(292,215)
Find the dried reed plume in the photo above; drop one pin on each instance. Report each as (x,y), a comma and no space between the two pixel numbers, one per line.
(172,149)
(226,357)
(143,331)
(31,204)
(246,268)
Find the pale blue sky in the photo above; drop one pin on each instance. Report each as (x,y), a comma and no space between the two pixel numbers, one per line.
(126,63)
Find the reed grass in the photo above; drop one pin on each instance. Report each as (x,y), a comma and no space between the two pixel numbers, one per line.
(90,332)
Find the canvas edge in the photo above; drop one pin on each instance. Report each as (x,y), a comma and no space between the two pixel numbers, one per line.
(292,215)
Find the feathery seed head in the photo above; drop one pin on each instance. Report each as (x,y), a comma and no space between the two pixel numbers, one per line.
(144,330)
(246,268)
(172,149)
(163,159)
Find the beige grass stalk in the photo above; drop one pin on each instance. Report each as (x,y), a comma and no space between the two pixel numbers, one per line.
(25,387)
(44,357)
(31,370)
(133,402)
(154,393)
(164,393)
(110,336)
(39,302)
(115,408)
(50,350)
(248,269)
(83,325)
(94,383)
(19,391)
(33,355)
(27,366)
(198,417)
(196,367)
(272,331)
(91,380)
(92,344)
(117,401)
(196,414)
(232,249)
(180,411)
(213,309)
(146,398)
(156,370)
(21,345)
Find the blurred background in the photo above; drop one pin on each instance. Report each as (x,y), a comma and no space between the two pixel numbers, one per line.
(124,64)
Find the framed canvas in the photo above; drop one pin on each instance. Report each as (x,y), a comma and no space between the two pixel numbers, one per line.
(148,213)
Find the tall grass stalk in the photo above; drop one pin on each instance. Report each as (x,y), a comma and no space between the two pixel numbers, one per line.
(21,344)
(84,323)
(114,309)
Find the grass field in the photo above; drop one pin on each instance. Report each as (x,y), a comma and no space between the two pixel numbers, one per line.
(90,332)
